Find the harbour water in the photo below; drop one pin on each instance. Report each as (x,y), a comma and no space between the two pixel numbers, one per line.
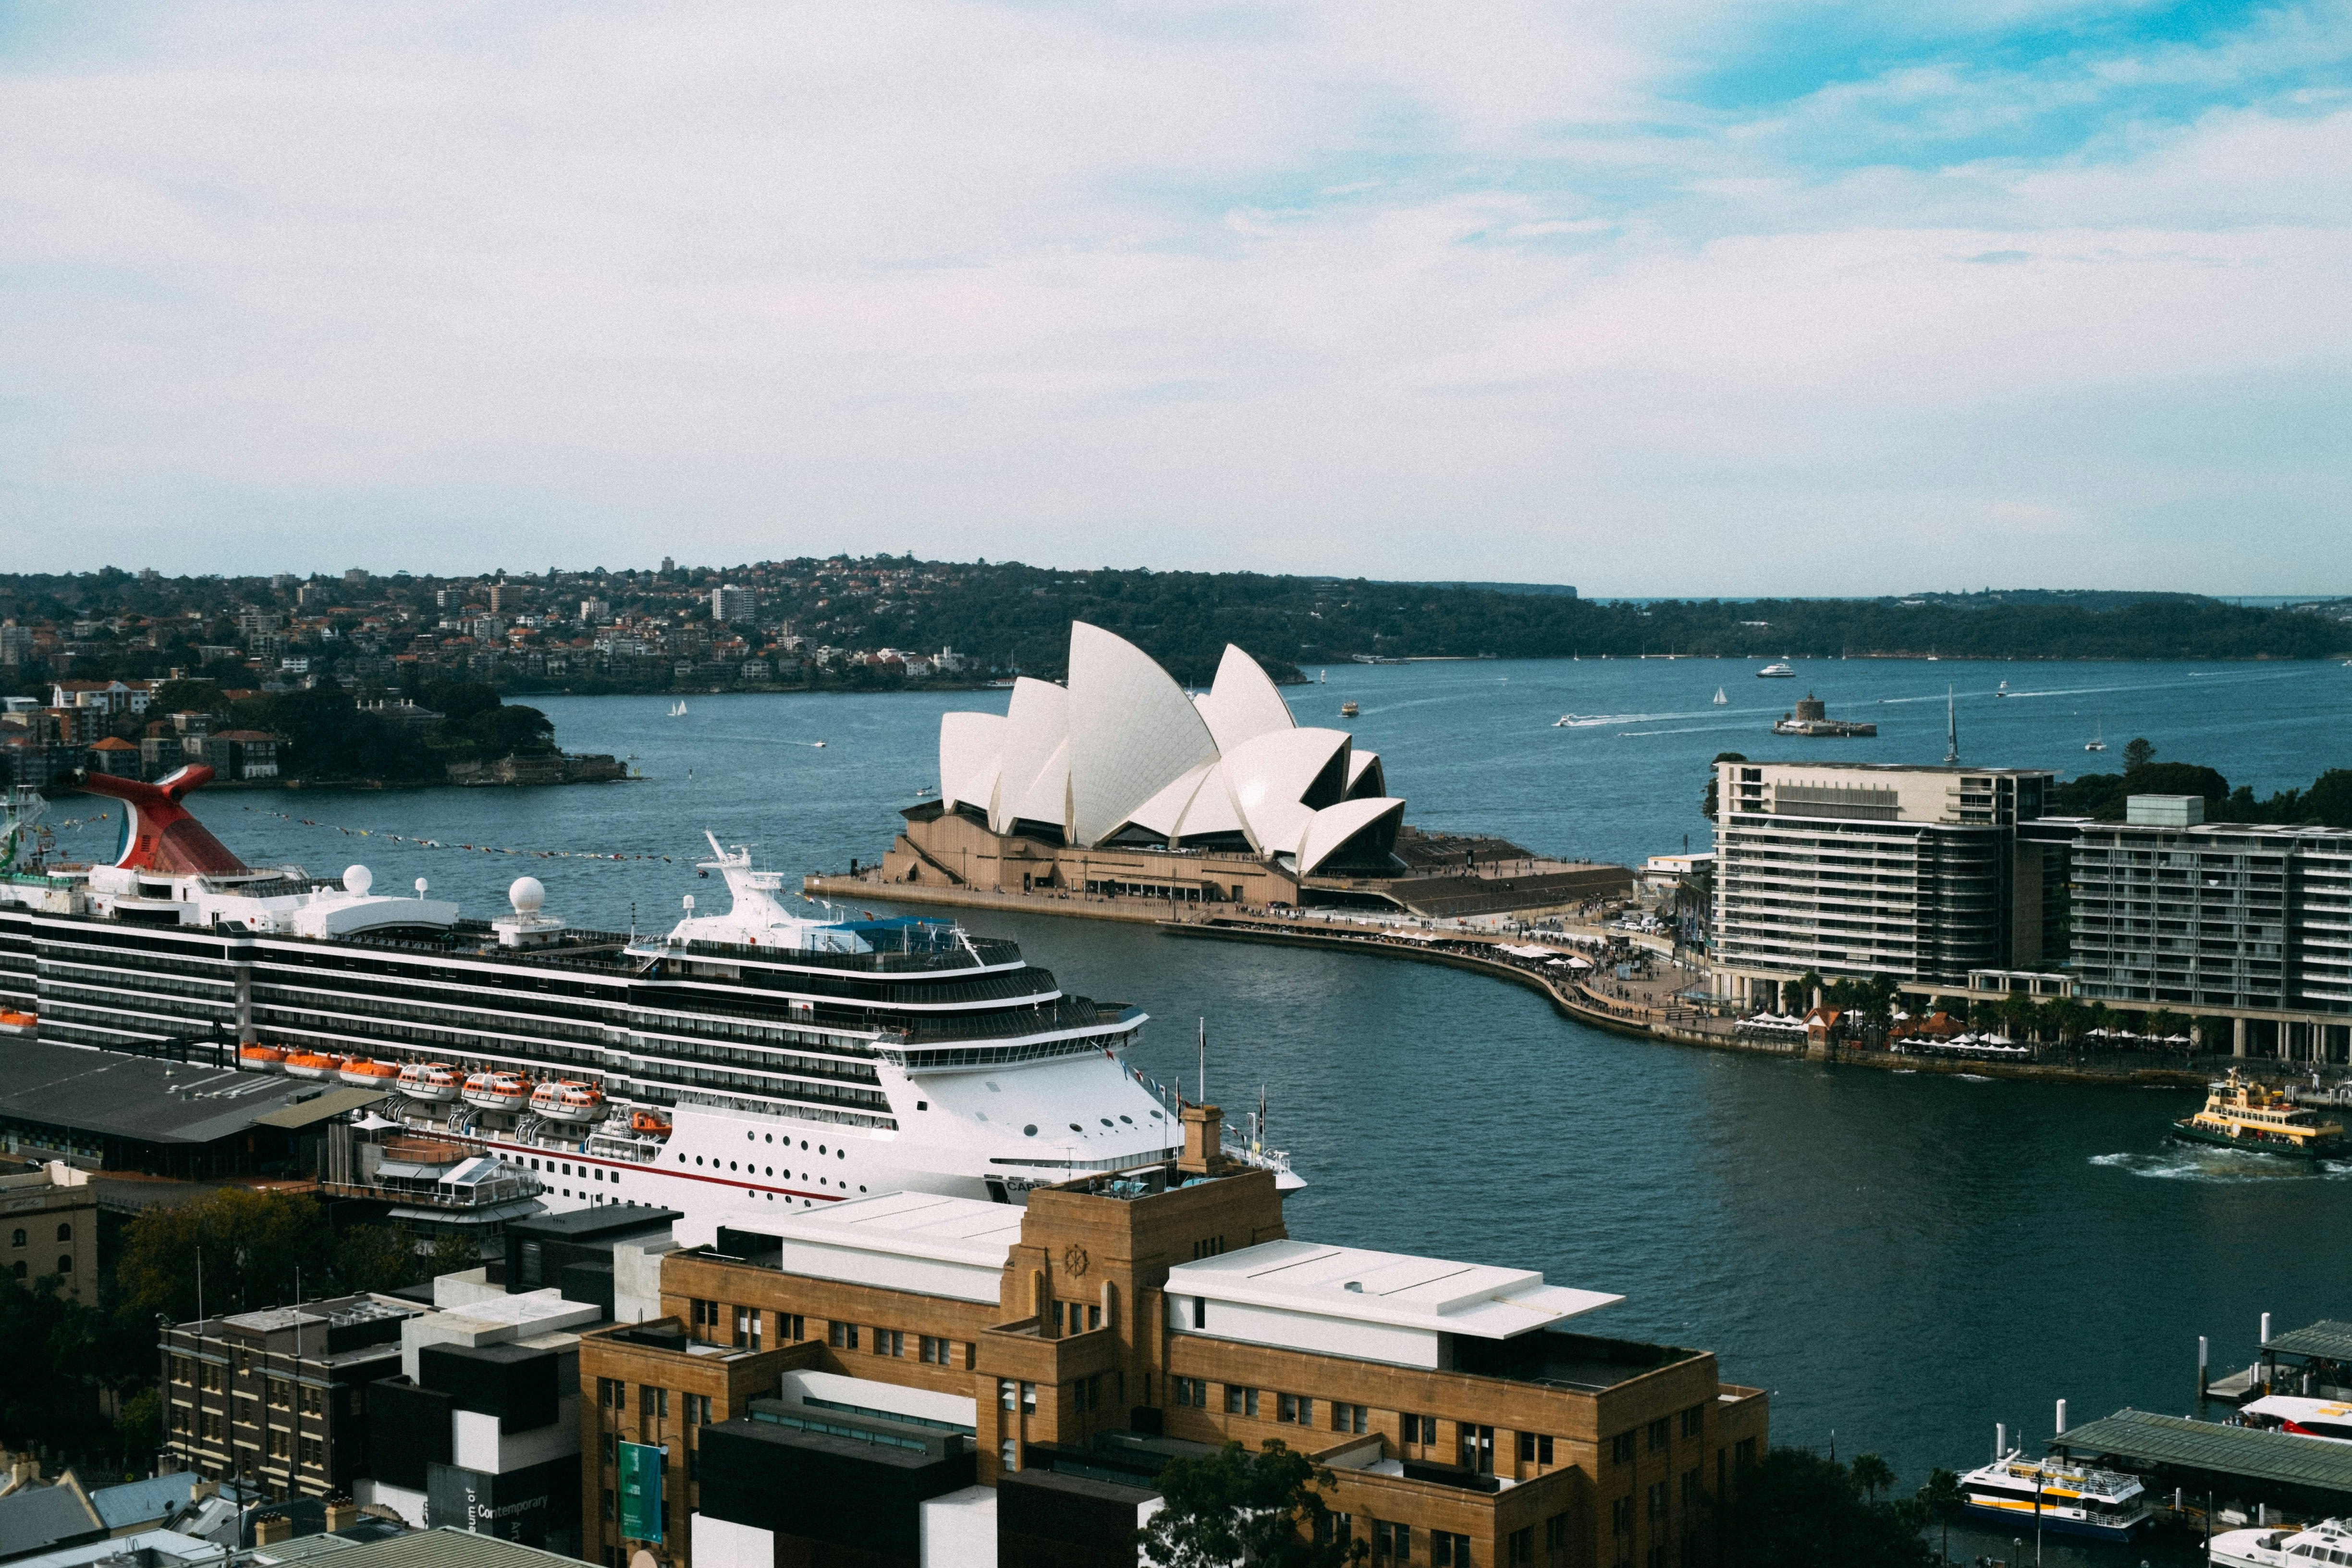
(1901,1259)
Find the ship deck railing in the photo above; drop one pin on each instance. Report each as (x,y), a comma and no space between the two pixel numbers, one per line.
(966,953)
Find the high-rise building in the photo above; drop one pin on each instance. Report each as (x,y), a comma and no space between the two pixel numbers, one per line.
(1853,869)
(729,603)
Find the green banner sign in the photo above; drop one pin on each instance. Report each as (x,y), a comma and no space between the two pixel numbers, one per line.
(640,1467)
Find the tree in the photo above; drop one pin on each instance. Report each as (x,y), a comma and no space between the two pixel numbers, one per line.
(184,696)
(249,1245)
(1941,1497)
(2164,1022)
(2137,753)
(1871,1474)
(1796,1509)
(510,729)
(1234,1506)
(1807,984)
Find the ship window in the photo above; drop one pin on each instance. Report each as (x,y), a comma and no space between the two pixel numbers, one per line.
(681,1160)
(922,1105)
(772,1137)
(697,1159)
(748,1136)
(1106,1121)
(819,1148)
(839,1153)
(534,1161)
(1129,1120)
(803,1143)
(1030,1131)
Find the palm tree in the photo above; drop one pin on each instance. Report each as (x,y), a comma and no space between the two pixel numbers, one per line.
(1870,1473)
(1941,1497)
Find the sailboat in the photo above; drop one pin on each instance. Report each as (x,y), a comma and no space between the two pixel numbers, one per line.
(2098,740)
(1720,700)
(679,710)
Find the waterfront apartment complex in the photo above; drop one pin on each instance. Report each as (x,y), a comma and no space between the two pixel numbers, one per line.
(932,1379)
(1857,869)
(1952,877)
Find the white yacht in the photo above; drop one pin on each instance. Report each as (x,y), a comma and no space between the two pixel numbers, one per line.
(2051,1494)
(2283,1546)
(1783,670)
(2327,1419)
(749,1056)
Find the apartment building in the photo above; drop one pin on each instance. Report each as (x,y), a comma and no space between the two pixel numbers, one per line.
(1854,870)
(276,1397)
(930,1379)
(2249,927)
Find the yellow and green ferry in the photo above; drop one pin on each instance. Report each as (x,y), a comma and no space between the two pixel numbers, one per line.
(2242,1114)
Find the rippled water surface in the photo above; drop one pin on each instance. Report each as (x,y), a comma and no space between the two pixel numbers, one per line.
(1902,1259)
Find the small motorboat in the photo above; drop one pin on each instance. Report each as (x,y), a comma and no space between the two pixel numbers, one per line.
(2001,691)
(568,1100)
(1568,720)
(1347,710)
(496,1090)
(818,745)
(362,1073)
(436,1083)
(313,1064)
(2284,1546)
(261,1058)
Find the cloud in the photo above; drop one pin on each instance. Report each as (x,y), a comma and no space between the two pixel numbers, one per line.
(1285,287)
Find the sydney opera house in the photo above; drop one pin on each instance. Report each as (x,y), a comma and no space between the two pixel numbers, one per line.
(1121,784)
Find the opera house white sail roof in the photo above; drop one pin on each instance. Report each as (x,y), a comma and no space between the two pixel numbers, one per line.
(1122,756)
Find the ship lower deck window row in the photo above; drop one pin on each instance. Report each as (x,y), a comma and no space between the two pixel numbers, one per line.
(687,1078)
(792,1110)
(280,1031)
(444,1007)
(649,1048)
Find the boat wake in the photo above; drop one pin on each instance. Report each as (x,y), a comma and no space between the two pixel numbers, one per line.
(2221,1166)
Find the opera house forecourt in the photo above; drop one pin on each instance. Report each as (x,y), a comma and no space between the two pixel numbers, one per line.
(1121,786)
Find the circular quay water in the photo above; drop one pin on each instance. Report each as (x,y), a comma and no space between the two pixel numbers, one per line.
(1901,1259)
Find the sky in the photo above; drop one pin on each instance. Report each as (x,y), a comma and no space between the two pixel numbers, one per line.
(1666,298)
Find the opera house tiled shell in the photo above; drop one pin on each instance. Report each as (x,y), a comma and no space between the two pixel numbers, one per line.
(1122,756)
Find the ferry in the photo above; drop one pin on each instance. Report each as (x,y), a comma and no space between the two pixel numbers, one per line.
(1347,710)
(2240,1113)
(2048,1494)
(2284,1546)
(750,1057)
(1781,671)
(2329,1420)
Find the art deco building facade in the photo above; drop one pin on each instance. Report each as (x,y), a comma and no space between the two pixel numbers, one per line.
(929,1380)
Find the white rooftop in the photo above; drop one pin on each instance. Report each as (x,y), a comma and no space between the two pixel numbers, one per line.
(1387,1288)
(914,1241)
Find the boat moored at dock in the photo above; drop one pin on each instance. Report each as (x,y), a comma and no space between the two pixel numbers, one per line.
(2050,1494)
(2275,1546)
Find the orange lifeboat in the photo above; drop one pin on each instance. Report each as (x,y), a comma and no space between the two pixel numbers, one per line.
(436,1083)
(258,1058)
(496,1090)
(313,1064)
(362,1073)
(18,1020)
(567,1100)
(648,1124)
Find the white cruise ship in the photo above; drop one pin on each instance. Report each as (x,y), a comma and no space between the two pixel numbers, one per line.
(750,1057)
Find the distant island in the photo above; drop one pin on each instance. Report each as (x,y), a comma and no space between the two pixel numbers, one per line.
(889,623)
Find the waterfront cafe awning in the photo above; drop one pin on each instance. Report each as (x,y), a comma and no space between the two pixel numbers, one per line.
(1528,952)
(2276,1458)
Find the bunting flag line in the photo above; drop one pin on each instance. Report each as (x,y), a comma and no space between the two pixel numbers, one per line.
(81,821)
(418,843)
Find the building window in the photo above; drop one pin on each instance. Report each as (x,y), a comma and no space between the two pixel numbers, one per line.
(1200,1311)
(610,1512)
(1535,1448)
(1008,1454)
(706,1318)
(1347,1418)
(791,1327)
(312,1401)
(1690,1489)
(281,1443)
(1393,1541)
(1449,1550)
(842,1336)
(65,1233)
(889,1341)
(747,1327)
(1520,1547)
(1192,1391)
(1239,1401)
(1744,1455)
(1658,1501)
(16,1238)
(1556,1532)
(936,1352)
(611,1394)
(1477,1448)
(1418,1431)
(1662,1432)
(1621,1516)
(1694,1421)
(1020,1396)
(1620,1449)
(697,1409)
(65,1264)
(1212,1248)
(1087,1394)
(654,1401)
(313,1453)
(1294,1407)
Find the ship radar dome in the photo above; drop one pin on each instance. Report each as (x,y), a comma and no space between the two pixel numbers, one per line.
(358,879)
(527,895)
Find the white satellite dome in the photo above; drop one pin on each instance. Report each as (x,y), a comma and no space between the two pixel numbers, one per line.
(527,895)
(358,879)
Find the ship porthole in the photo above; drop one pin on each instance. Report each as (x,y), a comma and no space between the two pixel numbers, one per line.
(1030,1131)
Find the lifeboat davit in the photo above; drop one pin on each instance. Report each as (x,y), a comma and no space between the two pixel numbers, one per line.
(648,1124)
(566,1099)
(313,1064)
(362,1073)
(260,1059)
(434,1082)
(496,1090)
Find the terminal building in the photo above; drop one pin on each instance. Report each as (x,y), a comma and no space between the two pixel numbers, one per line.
(1950,879)
(914,1379)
